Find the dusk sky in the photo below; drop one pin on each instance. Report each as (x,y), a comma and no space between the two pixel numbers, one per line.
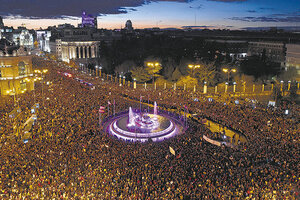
(231,14)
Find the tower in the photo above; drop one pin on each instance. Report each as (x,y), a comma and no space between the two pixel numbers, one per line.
(128,25)
(1,22)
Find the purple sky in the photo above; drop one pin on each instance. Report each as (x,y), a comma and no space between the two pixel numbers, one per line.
(232,14)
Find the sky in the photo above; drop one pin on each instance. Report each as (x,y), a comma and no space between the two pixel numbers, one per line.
(111,14)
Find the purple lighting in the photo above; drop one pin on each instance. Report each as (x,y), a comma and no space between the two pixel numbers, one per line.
(88,21)
(141,127)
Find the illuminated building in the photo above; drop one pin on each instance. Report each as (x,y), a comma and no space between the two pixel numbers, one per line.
(23,38)
(16,75)
(79,51)
(88,21)
(43,39)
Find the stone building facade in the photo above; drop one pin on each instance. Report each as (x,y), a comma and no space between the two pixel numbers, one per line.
(275,51)
(16,74)
(79,51)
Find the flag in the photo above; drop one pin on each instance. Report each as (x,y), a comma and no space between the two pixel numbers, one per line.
(101,109)
(172,151)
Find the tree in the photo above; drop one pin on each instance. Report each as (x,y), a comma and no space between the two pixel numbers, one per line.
(125,67)
(153,66)
(176,75)
(206,72)
(188,80)
(140,74)
(259,67)
(168,68)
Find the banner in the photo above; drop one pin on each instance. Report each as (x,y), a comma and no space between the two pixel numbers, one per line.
(211,141)
(172,151)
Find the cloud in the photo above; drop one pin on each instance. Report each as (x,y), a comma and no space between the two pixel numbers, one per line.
(229,1)
(198,26)
(251,11)
(262,8)
(291,18)
(55,8)
(196,7)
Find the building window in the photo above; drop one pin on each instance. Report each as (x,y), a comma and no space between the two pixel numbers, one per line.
(22,68)
(22,85)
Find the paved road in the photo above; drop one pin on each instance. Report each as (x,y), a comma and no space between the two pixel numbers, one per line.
(214,127)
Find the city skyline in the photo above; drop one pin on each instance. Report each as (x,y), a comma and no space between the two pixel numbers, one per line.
(212,14)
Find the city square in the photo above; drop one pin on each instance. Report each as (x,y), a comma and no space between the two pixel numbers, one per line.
(134,113)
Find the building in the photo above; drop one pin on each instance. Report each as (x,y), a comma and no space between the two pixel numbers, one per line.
(16,74)
(128,25)
(1,22)
(23,37)
(275,51)
(79,51)
(293,58)
(43,39)
(236,49)
(88,21)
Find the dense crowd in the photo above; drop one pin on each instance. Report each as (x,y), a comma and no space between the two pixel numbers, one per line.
(70,156)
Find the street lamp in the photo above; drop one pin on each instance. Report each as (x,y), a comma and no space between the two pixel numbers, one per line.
(193,67)
(153,65)
(228,71)
(134,83)
(124,80)
(97,72)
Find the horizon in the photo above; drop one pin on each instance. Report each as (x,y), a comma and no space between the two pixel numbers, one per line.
(210,14)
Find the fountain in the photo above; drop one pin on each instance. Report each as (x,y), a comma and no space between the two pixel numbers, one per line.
(142,126)
(155,108)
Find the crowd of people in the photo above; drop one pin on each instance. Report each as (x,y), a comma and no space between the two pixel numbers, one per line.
(70,156)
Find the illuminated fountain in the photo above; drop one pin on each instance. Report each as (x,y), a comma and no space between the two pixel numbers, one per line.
(139,126)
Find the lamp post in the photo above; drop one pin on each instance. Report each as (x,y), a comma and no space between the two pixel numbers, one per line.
(124,80)
(234,87)
(97,70)
(100,72)
(204,88)
(153,65)
(228,71)
(226,87)
(134,83)
(193,67)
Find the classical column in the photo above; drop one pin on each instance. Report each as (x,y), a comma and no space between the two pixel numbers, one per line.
(87,52)
(93,51)
(74,52)
(69,52)
(80,51)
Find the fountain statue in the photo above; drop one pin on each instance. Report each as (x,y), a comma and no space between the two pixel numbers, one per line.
(155,108)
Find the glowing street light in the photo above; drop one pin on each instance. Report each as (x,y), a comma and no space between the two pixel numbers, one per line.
(228,71)
(153,65)
(193,67)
